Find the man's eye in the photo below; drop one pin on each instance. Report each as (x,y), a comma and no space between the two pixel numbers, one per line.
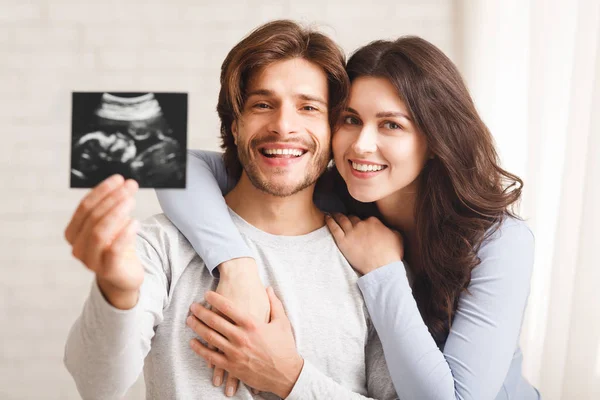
(262,106)
(309,108)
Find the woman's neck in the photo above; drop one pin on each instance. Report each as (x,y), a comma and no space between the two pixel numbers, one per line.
(398,212)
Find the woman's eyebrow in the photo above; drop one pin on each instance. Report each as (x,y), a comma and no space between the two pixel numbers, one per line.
(392,114)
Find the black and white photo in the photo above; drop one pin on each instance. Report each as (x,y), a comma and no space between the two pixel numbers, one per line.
(141,136)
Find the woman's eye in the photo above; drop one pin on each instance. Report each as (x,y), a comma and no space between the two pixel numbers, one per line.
(391,125)
(351,120)
(309,108)
(262,106)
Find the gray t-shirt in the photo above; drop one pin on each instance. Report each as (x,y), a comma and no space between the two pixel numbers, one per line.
(107,348)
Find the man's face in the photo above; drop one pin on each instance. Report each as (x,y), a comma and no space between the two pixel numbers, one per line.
(283,134)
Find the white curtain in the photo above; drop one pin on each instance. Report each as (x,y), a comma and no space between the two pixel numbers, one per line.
(533,68)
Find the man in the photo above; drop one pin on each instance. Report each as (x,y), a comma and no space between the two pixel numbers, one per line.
(282,86)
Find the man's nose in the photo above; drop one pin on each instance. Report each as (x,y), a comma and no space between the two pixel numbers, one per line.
(285,120)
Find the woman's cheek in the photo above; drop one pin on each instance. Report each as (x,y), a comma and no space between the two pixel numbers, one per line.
(338,146)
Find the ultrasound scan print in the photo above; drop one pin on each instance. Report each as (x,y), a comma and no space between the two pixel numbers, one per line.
(142,136)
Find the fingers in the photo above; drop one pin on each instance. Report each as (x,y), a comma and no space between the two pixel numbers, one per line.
(277,310)
(336,231)
(216,322)
(96,237)
(226,307)
(88,203)
(106,205)
(122,243)
(231,385)
(218,374)
(343,222)
(210,336)
(211,356)
(354,220)
(211,347)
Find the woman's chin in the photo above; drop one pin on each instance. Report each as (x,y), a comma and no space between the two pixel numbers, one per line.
(363,194)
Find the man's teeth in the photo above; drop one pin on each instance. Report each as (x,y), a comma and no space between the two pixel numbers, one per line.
(291,152)
(367,167)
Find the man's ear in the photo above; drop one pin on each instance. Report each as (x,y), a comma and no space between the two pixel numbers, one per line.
(234,131)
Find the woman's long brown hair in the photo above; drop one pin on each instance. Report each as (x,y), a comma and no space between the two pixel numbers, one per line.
(463,194)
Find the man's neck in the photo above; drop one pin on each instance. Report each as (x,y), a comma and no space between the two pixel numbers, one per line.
(287,216)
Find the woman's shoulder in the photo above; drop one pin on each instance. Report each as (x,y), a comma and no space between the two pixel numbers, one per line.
(510,229)
(508,247)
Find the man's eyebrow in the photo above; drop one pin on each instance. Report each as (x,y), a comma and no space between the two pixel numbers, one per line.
(309,97)
(270,93)
(260,92)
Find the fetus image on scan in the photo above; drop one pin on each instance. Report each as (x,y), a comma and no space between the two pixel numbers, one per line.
(141,136)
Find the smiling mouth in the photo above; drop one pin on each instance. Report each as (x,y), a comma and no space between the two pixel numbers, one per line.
(361,167)
(282,153)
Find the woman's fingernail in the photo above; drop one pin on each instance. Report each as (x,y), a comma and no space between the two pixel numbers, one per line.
(217,381)
(229,391)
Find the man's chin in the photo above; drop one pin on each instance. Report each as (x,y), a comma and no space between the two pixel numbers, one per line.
(280,190)
(280,186)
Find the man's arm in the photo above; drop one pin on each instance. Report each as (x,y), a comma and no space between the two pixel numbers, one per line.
(107,344)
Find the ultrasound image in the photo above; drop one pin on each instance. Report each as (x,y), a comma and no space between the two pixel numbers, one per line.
(142,136)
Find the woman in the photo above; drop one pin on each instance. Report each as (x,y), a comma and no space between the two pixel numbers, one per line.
(412,150)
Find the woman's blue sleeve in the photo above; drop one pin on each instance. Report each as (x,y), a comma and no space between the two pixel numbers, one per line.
(200,211)
(480,359)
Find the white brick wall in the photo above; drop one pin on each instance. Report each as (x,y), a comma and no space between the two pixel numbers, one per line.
(50,48)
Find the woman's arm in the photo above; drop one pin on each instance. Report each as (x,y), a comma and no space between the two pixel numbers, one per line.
(200,211)
(485,331)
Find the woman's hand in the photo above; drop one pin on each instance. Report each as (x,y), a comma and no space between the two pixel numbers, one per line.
(262,355)
(366,244)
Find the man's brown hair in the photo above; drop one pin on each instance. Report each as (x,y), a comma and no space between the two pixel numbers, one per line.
(278,40)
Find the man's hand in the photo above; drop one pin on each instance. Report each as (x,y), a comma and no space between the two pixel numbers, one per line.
(263,355)
(102,236)
(241,284)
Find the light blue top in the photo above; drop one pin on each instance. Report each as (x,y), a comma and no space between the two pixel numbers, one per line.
(480,359)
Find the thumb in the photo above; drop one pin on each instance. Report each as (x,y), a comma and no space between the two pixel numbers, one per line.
(277,310)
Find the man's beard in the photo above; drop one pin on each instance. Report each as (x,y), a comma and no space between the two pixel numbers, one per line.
(314,171)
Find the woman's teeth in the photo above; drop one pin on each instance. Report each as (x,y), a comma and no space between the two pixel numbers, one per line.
(283,152)
(367,167)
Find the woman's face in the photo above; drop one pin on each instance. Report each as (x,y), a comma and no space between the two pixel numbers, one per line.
(378,149)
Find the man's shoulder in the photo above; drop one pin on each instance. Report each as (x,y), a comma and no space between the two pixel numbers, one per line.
(160,232)
(158,224)
(159,239)
(157,221)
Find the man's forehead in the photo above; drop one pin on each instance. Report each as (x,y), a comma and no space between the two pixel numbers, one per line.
(296,77)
